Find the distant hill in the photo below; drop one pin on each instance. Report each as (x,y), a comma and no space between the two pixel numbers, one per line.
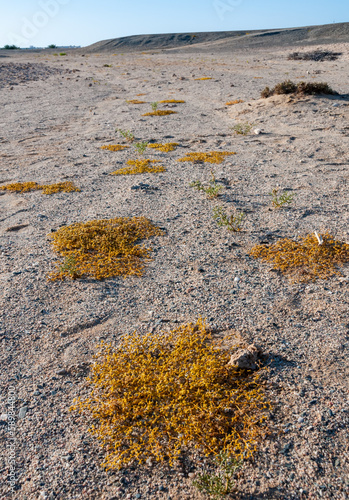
(225,40)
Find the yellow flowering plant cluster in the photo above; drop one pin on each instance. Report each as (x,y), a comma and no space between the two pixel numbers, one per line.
(115,147)
(165,148)
(135,101)
(103,248)
(171,101)
(160,112)
(156,395)
(139,167)
(231,103)
(25,187)
(306,259)
(204,78)
(210,157)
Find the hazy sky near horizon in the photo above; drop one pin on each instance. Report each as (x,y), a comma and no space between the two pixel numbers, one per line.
(82,22)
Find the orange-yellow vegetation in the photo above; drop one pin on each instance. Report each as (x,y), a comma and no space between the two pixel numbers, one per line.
(210,157)
(135,101)
(306,259)
(102,248)
(139,167)
(171,101)
(160,112)
(231,103)
(158,394)
(114,147)
(138,95)
(25,187)
(204,78)
(165,148)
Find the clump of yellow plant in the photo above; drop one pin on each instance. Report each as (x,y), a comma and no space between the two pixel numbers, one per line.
(160,112)
(307,259)
(158,394)
(204,78)
(135,101)
(102,248)
(231,103)
(139,167)
(114,147)
(171,101)
(165,148)
(25,187)
(210,157)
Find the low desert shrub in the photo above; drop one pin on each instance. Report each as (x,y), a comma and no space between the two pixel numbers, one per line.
(135,101)
(279,200)
(141,146)
(126,134)
(62,54)
(303,88)
(212,190)
(11,47)
(306,259)
(114,147)
(232,222)
(102,248)
(315,55)
(160,112)
(25,187)
(209,157)
(243,128)
(171,101)
(164,148)
(160,394)
(220,483)
(204,78)
(139,167)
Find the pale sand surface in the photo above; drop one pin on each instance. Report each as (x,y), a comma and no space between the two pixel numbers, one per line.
(51,131)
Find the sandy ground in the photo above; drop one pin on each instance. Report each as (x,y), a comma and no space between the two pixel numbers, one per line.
(52,129)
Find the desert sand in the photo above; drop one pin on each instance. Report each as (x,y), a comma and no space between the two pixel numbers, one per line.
(57,112)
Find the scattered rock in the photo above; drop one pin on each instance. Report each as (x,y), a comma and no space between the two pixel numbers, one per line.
(245,358)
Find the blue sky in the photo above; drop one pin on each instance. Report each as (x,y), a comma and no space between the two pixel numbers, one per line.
(81,22)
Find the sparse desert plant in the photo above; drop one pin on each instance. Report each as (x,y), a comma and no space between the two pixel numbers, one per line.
(114,147)
(219,484)
(231,103)
(306,259)
(103,248)
(209,157)
(139,167)
(284,198)
(154,105)
(232,222)
(243,128)
(62,53)
(213,190)
(164,148)
(25,187)
(107,65)
(315,55)
(52,46)
(126,134)
(183,395)
(204,78)
(141,146)
(301,88)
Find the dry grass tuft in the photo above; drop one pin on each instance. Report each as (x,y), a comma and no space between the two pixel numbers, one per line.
(210,157)
(25,187)
(159,394)
(102,248)
(160,112)
(165,148)
(305,260)
(301,88)
(315,55)
(114,147)
(139,167)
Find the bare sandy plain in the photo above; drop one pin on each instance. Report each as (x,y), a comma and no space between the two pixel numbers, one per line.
(54,119)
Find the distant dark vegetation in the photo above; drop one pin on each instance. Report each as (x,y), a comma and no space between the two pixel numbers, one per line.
(11,47)
(304,88)
(316,55)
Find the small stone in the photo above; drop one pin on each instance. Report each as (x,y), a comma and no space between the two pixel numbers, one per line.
(245,358)
(300,420)
(257,131)
(62,372)
(3,418)
(22,412)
